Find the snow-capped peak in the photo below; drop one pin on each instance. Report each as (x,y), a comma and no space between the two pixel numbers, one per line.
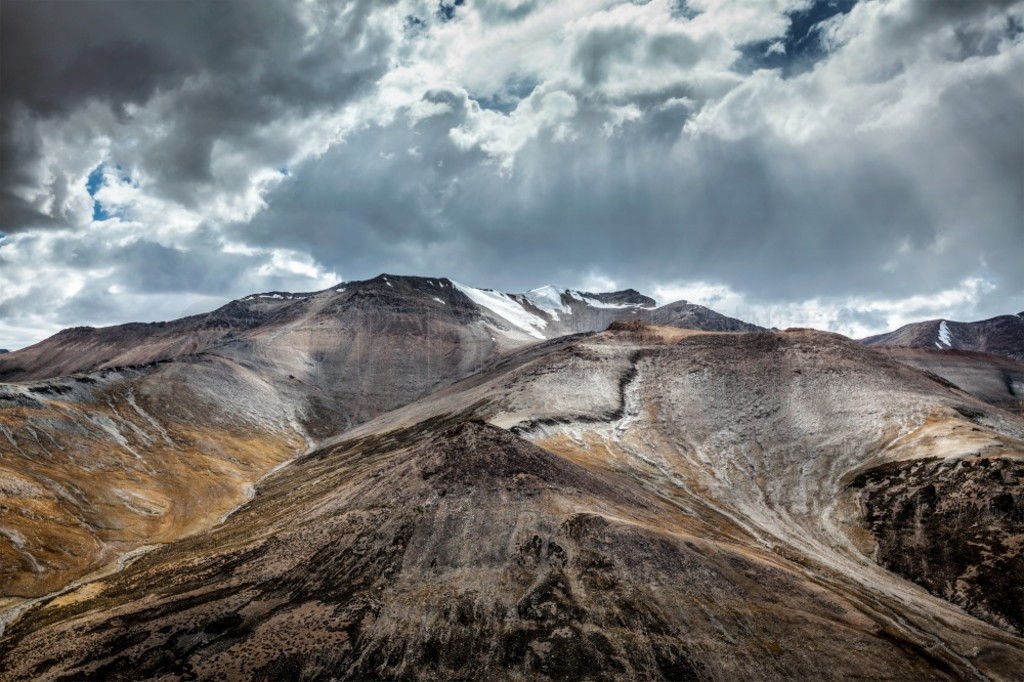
(548,299)
(507,308)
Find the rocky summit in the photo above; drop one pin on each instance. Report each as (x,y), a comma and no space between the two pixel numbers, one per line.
(412,478)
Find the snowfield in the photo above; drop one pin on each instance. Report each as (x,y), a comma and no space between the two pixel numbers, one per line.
(507,308)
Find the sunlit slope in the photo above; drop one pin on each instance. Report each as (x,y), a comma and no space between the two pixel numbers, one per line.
(96,465)
(103,461)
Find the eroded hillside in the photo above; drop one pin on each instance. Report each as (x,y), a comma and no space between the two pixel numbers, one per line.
(646,503)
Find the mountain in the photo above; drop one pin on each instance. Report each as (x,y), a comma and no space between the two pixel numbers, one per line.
(160,429)
(640,503)
(407,477)
(1003,335)
(686,315)
(134,435)
(549,312)
(494,318)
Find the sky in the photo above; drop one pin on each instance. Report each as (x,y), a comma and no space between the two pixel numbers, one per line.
(847,165)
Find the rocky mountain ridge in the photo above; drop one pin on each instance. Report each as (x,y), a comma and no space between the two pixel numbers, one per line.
(1002,335)
(510,319)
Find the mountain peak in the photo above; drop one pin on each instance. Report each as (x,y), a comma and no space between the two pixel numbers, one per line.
(1001,335)
(624,298)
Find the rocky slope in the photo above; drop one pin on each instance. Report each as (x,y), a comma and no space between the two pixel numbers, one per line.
(686,315)
(101,462)
(646,503)
(992,378)
(1003,335)
(153,431)
(248,328)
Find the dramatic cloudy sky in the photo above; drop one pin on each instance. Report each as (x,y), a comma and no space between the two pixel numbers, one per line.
(841,164)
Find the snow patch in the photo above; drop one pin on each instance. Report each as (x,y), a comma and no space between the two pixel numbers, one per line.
(274,296)
(438,300)
(944,339)
(507,308)
(548,299)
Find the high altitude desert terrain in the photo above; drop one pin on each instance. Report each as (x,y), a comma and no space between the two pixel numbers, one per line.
(408,478)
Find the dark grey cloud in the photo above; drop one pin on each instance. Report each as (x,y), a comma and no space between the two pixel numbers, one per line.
(239,65)
(923,16)
(601,47)
(756,213)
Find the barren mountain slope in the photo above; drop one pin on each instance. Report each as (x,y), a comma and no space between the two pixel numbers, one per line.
(1003,335)
(249,326)
(992,378)
(317,323)
(99,463)
(701,506)
(686,315)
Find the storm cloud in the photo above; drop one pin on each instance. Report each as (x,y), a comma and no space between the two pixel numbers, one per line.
(849,165)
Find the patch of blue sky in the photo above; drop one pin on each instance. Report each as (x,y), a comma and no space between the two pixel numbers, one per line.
(800,48)
(95,181)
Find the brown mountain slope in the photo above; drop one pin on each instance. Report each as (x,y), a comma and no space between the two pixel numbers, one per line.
(99,463)
(700,506)
(247,329)
(94,466)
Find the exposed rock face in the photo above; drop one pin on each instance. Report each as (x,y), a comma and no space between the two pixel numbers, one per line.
(954,526)
(626,297)
(639,504)
(1003,335)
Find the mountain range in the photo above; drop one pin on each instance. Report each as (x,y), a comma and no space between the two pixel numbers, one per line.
(1003,335)
(410,478)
